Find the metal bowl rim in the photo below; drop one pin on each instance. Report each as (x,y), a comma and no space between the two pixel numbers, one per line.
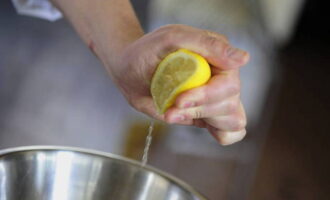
(167,176)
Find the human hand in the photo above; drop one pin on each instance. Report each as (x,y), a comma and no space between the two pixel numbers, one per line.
(215,106)
(131,58)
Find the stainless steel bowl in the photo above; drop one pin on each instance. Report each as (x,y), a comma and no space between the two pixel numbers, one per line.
(64,173)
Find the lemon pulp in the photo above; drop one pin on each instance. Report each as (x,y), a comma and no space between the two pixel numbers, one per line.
(177,72)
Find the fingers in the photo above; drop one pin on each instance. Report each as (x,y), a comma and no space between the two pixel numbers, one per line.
(233,122)
(221,108)
(227,137)
(216,106)
(226,116)
(228,130)
(219,88)
(212,46)
(226,121)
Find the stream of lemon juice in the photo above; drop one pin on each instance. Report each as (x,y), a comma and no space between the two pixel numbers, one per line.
(148,143)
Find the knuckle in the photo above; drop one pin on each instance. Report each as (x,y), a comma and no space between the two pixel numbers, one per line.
(198,114)
(169,27)
(232,106)
(211,40)
(224,38)
(169,34)
(239,123)
(169,38)
(163,29)
(234,88)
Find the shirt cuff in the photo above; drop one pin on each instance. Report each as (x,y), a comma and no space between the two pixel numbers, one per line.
(37,8)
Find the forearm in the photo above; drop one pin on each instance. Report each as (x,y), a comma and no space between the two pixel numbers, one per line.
(106,26)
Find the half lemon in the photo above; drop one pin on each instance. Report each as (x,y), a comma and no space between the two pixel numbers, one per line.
(179,71)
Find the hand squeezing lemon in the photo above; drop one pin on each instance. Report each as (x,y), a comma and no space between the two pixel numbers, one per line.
(179,71)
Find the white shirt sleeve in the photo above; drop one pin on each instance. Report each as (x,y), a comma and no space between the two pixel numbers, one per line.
(37,8)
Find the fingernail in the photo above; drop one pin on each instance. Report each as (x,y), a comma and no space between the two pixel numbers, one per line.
(235,54)
(188,105)
(178,118)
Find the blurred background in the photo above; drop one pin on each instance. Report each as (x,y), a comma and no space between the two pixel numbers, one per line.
(53,91)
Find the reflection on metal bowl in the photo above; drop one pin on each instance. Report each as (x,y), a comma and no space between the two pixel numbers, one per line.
(64,173)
